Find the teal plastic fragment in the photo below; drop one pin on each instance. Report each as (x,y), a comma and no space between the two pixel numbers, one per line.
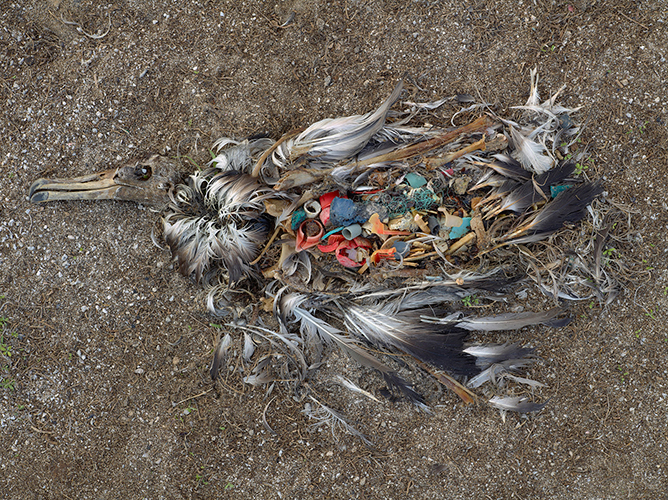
(555,190)
(298,216)
(458,232)
(415,180)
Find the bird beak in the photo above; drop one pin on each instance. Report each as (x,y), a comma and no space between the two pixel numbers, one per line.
(144,182)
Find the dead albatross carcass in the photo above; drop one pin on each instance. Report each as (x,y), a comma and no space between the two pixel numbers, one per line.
(374,231)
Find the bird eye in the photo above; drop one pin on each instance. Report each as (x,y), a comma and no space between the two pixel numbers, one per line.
(144,173)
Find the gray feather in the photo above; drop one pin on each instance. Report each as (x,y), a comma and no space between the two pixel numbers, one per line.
(513,321)
(516,404)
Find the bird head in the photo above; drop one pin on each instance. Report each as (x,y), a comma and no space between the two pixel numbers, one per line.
(148,181)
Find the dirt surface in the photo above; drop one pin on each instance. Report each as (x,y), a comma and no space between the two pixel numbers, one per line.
(106,393)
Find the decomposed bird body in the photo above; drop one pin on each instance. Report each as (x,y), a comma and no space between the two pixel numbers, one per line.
(366,231)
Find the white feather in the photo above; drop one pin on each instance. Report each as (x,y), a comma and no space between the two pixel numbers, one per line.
(531,154)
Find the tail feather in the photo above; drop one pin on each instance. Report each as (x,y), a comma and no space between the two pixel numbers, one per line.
(533,190)
(438,346)
(568,208)
(289,305)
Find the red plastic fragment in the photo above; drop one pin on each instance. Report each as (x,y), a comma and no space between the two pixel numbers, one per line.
(308,235)
(345,250)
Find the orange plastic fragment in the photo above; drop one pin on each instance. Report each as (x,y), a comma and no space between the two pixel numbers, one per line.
(383,253)
(377,227)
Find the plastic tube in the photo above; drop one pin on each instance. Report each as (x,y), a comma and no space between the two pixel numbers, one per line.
(312,209)
(351,232)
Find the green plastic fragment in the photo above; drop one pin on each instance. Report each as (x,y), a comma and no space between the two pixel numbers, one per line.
(298,216)
(555,190)
(458,232)
(424,198)
(415,180)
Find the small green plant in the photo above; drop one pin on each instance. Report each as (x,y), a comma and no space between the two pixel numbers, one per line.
(7,383)
(5,348)
(608,255)
(470,301)
(3,321)
(643,127)
(647,266)
(580,167)
(623,373)
(609,251)
(228,486)
(215,325)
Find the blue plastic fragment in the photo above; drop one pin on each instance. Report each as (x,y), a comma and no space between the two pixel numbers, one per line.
(458,232)
(298,216)
(565,121)
(415,180)
(555,190)
(345,212)
(402,248)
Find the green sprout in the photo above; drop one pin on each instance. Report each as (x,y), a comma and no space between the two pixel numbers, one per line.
(470,301)
(580,167)
(5,348)
(8,383)
(200,478)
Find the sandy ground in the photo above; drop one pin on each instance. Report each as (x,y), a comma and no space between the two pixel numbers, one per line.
(106,393)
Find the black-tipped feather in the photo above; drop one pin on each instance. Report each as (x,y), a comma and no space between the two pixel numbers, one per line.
(533,190)
(509,167)
(567,208)
(433,344)
(289,305)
